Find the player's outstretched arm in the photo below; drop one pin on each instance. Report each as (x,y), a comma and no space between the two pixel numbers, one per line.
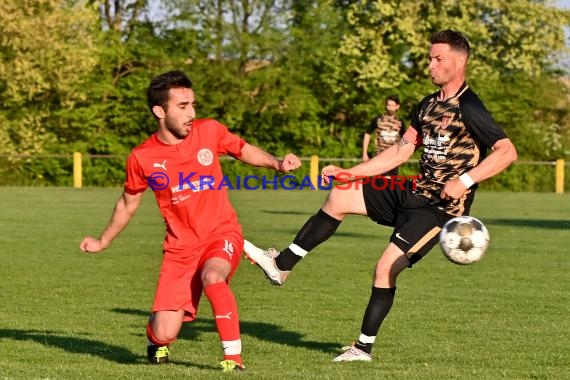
(503,155)
(387,160)
(254,156)
(125,208)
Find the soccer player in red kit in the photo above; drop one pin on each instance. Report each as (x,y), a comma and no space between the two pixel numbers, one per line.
(203,243)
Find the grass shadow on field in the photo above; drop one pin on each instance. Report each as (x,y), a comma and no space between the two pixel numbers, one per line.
(263,331)
(83,346)
(276,334)
(124,310)
(289,212)
(337,234)
(531,223)
(74,345)
(260,330)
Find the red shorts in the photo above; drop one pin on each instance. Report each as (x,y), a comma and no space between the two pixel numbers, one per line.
(179,283)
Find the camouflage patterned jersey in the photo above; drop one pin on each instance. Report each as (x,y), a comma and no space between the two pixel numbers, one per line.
(456,135)
(386,130)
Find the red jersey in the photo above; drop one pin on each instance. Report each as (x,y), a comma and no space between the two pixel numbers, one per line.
(187,182)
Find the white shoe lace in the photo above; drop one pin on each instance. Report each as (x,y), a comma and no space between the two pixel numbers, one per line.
(272,253)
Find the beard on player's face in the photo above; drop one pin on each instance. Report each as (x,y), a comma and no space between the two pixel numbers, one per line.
(178,129)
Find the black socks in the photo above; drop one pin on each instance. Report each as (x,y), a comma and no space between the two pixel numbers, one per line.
(316,230)
(378,308)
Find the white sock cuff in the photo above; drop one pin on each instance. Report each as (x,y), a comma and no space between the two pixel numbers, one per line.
(231,347)
(297,250)
(366,339)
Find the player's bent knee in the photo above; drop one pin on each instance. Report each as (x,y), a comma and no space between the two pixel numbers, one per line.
(161,336)
(215,270)
(390,265)
(213,277)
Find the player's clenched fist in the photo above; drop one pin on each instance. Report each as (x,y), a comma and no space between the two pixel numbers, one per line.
(329,172)
(91,245)
(290,162)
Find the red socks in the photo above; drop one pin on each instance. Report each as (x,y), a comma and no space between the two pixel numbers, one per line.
(225,310)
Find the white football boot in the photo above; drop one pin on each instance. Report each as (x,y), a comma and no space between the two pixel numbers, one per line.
(352,354)
(266,261)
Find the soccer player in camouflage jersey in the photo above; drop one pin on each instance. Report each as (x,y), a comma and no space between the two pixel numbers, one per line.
(456,131)
(387,130)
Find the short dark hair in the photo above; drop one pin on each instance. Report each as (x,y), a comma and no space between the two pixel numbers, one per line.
(157,93)
(393,98)
(454,39)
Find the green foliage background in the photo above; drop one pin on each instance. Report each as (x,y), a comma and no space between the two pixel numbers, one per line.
(303,76)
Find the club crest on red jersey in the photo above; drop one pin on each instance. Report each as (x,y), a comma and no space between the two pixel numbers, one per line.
(205,157)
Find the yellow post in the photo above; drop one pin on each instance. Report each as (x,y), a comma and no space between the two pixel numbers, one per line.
(560,176)
(314,171)
(77,170)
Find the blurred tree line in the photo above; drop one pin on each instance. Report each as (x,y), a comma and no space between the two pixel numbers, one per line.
(289,75)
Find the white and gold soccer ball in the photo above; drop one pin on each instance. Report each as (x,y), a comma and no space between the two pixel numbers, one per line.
(464,240)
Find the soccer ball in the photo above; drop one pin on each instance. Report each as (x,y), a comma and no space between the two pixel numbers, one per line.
(464,240)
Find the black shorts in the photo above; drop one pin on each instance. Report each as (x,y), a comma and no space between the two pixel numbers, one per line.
(416,223)
(391,172)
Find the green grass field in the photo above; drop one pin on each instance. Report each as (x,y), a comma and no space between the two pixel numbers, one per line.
(68,315)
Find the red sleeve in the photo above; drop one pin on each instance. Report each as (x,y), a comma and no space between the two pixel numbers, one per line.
(228,143)
(135,182)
